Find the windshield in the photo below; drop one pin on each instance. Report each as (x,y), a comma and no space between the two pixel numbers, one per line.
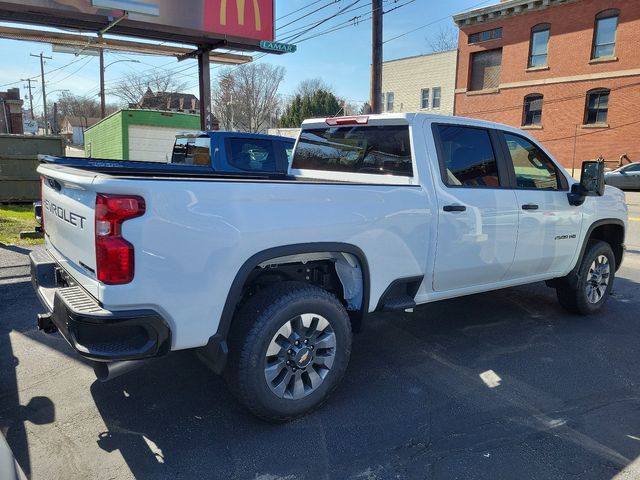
(382,150)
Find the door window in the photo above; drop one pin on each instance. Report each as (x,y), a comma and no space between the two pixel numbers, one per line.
(467,157)
(533,168)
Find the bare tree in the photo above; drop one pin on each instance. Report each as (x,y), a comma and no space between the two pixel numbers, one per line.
(445,39)
(246,97)
(70,105)
(306,88)
(133,87)
(222,98)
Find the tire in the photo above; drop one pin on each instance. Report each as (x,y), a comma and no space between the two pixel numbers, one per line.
(257,371)
(598,266)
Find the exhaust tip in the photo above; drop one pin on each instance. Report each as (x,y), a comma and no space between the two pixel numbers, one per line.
(106,371)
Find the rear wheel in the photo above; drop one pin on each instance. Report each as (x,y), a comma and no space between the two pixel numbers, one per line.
(289,349)
(593,281)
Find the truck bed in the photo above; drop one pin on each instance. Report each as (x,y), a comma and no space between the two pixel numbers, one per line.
(152,169)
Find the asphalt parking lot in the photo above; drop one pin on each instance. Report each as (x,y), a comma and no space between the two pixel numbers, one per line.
(498,385)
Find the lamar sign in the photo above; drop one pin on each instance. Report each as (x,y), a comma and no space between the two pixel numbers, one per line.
(237,22)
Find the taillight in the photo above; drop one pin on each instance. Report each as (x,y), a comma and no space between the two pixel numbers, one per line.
(114,255)
(354,120)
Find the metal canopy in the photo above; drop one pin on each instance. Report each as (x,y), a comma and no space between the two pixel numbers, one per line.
(91,42)
(34,15)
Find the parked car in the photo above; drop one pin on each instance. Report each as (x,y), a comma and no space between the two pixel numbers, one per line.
(267,277)
(626,177)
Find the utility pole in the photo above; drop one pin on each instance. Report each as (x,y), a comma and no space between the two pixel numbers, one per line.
(54,130)
(376,56)
(44,92)
(102,102)
(28,80)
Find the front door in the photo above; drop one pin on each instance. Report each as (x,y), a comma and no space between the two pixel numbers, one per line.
(549,227)
(478,217)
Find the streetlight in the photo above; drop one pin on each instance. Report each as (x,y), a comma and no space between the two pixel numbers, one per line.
(103,67)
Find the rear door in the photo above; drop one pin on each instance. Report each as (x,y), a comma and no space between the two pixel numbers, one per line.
(68,206)
(549,226)
(478,216)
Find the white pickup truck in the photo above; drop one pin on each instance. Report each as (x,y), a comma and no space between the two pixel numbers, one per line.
(267,277)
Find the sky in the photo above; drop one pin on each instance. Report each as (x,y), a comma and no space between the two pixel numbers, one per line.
(340,57)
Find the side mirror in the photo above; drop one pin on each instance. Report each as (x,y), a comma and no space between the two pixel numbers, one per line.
(591,182)
(592,178)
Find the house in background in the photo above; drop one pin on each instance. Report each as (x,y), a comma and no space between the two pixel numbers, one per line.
(168,101)
(73,128)
(566,70)
(424,83)
(11,111)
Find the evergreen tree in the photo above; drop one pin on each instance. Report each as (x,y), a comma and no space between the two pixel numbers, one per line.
(319,103)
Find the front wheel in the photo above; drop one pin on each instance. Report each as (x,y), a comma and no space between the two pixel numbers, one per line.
(594,280)
(289,349)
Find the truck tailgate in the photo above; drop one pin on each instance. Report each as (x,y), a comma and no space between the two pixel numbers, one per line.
(68,206)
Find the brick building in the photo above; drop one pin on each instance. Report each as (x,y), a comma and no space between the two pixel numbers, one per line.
(567,70)
(11,111)
(424,83)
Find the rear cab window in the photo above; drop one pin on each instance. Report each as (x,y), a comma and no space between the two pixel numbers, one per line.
(383,150)
(192,151)
(251,155)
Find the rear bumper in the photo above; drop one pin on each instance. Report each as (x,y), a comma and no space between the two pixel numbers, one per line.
(94,332)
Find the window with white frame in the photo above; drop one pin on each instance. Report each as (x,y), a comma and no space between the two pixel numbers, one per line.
(435,101)
(424,98)
(389,104)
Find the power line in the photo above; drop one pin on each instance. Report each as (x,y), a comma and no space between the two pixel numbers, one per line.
(74,72)
(297,10)
(331,2)
(340,12)
(351,22)
(297,29)
(433,23)
(34,77)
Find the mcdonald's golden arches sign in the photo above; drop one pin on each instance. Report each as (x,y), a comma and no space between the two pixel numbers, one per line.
(240,18)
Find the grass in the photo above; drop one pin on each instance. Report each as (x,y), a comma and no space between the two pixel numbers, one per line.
(15,218)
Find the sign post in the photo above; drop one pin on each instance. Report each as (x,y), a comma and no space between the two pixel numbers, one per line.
(204,79)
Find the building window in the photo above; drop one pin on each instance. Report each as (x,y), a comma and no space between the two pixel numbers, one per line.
(539,45)
(604,34)
(389,106)
(597,106)
(485,36)
(435,102)
(485,69)
(532,111)
(424,98)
